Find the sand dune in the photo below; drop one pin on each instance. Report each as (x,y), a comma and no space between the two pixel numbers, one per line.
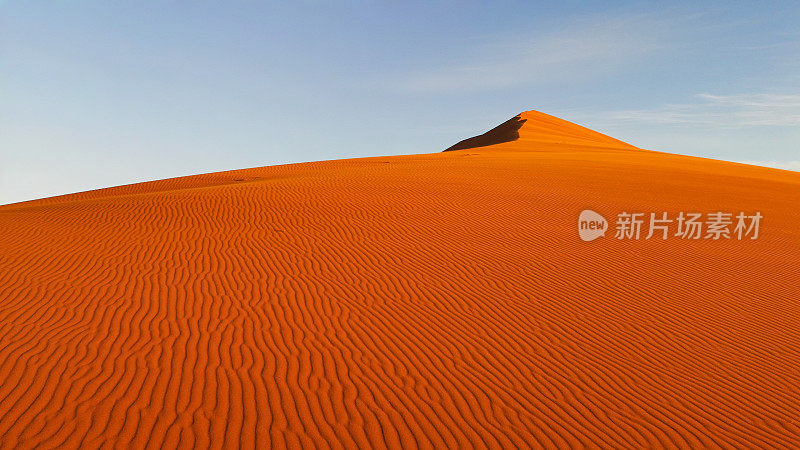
(435,300)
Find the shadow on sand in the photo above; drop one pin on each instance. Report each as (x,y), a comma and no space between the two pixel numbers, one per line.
(505,132)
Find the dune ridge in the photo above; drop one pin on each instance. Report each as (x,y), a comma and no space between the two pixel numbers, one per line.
(529,128)
(435,300)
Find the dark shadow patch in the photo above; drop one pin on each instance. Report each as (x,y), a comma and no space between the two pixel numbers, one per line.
(505,132)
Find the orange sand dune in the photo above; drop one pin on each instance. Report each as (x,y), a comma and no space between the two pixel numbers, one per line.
(437,300)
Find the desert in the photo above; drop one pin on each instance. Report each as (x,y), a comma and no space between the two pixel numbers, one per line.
(428,300)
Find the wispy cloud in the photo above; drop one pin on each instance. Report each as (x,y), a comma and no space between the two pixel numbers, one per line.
(785,165)
(583,49)
(726,111)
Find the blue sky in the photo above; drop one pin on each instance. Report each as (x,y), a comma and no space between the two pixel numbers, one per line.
(96,94)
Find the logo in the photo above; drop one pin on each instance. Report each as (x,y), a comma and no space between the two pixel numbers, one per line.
(591,225)
(693,226)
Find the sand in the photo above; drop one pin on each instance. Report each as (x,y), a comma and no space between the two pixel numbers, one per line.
(435,300)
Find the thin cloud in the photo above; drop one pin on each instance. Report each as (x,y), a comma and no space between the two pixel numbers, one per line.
(580,50)
(725,111)
(785,165)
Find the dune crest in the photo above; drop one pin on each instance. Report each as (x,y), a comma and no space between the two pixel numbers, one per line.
(434,300)
(529,128)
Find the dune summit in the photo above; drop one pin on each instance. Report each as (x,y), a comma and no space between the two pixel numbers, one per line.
(434,300)
(533,127)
